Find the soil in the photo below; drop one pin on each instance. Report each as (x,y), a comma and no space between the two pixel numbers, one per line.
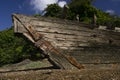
(51,74)
(13,72)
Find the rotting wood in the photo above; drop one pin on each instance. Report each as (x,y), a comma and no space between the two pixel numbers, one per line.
(47,46)
(87,46)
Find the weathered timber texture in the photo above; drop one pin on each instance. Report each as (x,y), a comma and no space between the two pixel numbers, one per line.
(94,48)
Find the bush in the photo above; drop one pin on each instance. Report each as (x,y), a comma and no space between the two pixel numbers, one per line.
(14,49)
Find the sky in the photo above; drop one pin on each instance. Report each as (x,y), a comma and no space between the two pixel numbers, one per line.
(30,7)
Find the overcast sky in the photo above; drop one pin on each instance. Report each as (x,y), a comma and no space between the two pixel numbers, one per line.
(8,7)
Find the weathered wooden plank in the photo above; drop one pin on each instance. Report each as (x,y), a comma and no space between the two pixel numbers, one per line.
(57,25)
(78,39)
(106,59)
(47,22)
(102,66)
(88,46)
(104,55)
(67,29)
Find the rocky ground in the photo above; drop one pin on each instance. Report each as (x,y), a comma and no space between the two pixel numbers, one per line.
(51,74)
(33,70)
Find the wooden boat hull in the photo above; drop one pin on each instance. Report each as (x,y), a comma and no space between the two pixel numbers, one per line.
(88,46)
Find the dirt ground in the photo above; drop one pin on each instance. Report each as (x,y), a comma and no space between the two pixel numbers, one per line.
(32,70)
(51,74)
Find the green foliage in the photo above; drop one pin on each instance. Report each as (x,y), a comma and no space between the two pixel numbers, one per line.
(53,10)
(70,15)
(86,20)
(108,20)
(116,21)
(83,8)
(86,11)
(36,15)
(14,49)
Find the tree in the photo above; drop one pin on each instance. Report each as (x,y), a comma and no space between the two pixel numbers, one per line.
(53,10)
(83,8)
(14,49)
(85,11)
(36,15)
